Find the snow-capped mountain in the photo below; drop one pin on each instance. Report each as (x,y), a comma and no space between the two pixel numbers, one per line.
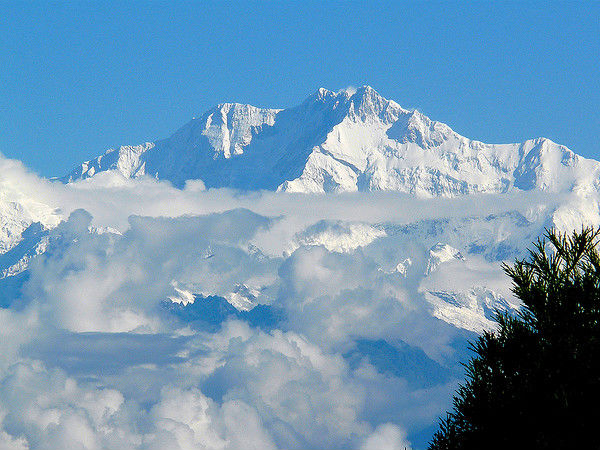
(332,142)
(345,141)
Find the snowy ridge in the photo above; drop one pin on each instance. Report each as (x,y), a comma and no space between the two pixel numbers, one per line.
(337,237)
(344,142)
(473,310)
(441,253)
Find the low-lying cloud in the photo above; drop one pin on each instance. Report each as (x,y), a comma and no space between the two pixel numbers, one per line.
(299,321)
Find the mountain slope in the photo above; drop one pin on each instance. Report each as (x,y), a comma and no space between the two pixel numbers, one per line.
(345,141)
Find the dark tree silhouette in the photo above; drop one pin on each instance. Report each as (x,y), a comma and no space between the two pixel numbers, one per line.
(534,383)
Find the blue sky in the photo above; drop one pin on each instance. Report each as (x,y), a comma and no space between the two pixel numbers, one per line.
(78,78)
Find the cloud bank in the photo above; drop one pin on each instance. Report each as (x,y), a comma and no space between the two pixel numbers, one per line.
(141,316)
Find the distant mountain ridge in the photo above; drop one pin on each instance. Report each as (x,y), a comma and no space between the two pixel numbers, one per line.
(343,142)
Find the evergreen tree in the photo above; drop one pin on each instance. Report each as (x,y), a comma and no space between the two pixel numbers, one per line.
(535,382)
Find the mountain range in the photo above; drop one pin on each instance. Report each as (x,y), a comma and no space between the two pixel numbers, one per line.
(333,142)
(346,141)
(378,292)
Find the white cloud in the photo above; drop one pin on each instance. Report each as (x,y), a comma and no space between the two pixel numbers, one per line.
(48,409)
(386,437)
(90,357)
(190,420)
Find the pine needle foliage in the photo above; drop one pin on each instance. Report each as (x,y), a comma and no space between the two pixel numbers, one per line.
(534,383)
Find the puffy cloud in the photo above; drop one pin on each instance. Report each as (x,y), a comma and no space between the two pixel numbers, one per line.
(187,419)
(292,386)
(235,389)
(43,408)
(7,442)
(386,437)
(351,356)
(108,282)
(336,298)
(47,409)
(306,394)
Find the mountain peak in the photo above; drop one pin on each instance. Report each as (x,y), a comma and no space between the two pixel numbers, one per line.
(349,91)
(367,93)
(366,104)
(320,95)
(366,90)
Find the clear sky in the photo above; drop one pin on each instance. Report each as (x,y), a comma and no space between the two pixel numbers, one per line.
(78,78)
